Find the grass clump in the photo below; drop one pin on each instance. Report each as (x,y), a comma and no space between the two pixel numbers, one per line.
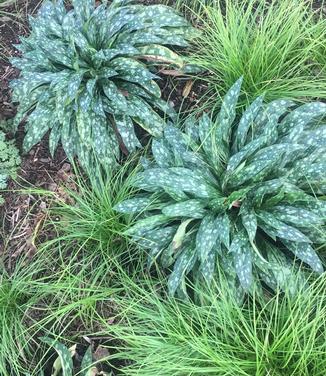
(20,291)
(84,219)
(45,297)
(163,336)
(271,44)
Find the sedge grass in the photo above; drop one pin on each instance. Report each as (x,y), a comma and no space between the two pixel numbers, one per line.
(17,294)
(159,335)
(271,44)
(320,35)
(85,220)
(42,298)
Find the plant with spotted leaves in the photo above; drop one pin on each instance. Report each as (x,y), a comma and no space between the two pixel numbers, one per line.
(9,161)
(88,74)
(64,361)
(242,196)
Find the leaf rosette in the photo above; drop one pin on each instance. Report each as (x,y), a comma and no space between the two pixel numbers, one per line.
(89,75)
(243,196)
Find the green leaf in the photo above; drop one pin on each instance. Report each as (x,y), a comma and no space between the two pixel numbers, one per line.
(180,234)
(163,106)
(85,123)
(206,237)
(157,15)
(312,173)
(127,132)
(165,178)
(245,152)
(157,239)
(206,129)
(145,116)
(223,226)
(192,128)
(175,138)
(179,270)
(316,137)
(162,154)
(243,266)
(69,137)
(105,142)
(302,116)
(307,254)
(147,224)
(249,220)
(160,54)
(39,123)
(283,271)
(111,53)
(266,188)
(208,267)
(54,138)
(255,171)
(239,240)
(246,122)
(226,118)
(271,113)
(117,99)
(131,70)
(83,8)
(281,229)
(135,205)
(297,216)
(64,355)
(87,361)
(189,208)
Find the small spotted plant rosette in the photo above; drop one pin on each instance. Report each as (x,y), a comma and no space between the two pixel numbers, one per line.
(242,196)
(88,75)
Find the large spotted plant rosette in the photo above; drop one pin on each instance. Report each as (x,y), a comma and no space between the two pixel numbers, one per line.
(243,196)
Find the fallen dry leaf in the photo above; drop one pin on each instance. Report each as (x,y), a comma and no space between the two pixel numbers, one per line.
(101,353)
(187,88)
